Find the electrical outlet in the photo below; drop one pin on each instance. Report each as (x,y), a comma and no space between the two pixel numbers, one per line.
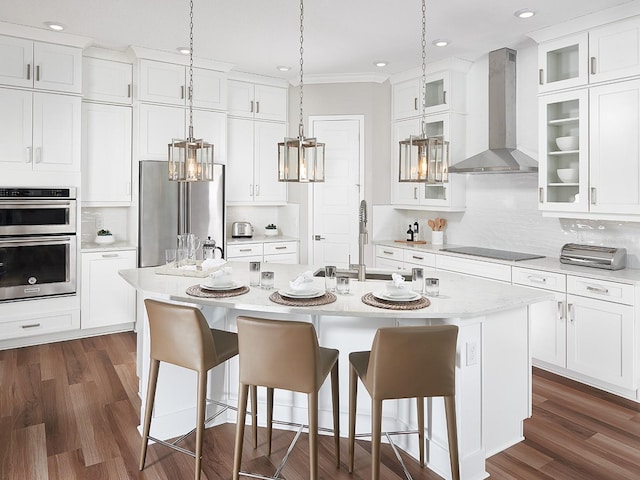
(99,222)
(472,353)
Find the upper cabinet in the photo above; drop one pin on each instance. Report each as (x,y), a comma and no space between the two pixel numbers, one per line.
(257,101)
(40,65)
(445,91)
(107,81)
(610,52)
(168,83)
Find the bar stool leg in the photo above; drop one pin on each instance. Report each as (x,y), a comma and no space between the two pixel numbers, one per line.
(376,432)
(254,414)
(313,435)
(335,397)
(420,401)
(269,418)
(240,423)
(151,395)
(452,431)
(353,393)
(202,395)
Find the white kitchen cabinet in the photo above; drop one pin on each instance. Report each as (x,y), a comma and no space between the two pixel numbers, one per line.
(106,299)
(417,258)
(39,131)
(168,83)
(28,324)
(609,52)
(564,114)
(477,268)
(614,133)
(107,80)
(445,91)
(389,258)
(407,98)
(281,252)
(46,66)
(252,162)
(159,124)
(106,154)
(548,319)
(261,102)
(444,196)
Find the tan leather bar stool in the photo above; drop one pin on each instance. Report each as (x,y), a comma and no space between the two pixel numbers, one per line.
(181,336)
(285,355)
(406,362)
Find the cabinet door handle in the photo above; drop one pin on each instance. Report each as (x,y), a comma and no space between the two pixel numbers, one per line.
(110,255)
(182,92)
(37,73)
(257,107)
(415,193)
(28,71)
(571,312)
(541,195)
(257,190)
(415,103)
(593,65)
(595,289)
(541,77)
(444,97)
(39,155)
(593,195)
(251,106)
(560,310)
(29,155)
(129,91)
(30,325)
(537,279)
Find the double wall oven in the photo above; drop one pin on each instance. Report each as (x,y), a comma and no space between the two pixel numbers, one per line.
(37,242)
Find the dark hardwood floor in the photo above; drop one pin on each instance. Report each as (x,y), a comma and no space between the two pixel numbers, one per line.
(69,410)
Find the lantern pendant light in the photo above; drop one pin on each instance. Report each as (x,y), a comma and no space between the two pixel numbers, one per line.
(423,158)
(190,160)
(301,159)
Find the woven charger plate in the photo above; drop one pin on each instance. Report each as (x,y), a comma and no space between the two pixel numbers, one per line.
(369,299)
(197,291)
(302,302)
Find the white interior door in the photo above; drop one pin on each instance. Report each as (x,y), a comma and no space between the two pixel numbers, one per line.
(336,202)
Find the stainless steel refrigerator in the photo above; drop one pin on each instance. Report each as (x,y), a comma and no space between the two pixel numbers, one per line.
(168,208)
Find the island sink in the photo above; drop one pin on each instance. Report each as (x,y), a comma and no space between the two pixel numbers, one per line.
(354,274)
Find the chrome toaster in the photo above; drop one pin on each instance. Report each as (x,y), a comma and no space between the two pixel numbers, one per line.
(241,230)
(609,258)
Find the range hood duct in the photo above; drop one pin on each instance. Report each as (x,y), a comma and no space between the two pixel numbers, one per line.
(502,156)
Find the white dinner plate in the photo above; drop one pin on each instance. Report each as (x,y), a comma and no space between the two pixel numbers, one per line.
(408,297)
(306,294)
(221,287)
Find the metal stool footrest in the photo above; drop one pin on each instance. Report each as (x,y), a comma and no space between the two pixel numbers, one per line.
(393,446)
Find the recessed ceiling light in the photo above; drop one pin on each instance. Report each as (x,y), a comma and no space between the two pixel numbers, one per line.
(283,68)
(525,13)
(381,63)
(441,42)
(57,26)
(184,50)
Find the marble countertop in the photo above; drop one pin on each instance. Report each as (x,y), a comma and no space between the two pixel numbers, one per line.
(547,264)
(261,239)
(101,247)
(460,296)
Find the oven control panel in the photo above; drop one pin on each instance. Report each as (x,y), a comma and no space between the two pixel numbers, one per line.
(37,192)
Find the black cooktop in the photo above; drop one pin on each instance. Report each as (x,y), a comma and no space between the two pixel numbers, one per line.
(491,253)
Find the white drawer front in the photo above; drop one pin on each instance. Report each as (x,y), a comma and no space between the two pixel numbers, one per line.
(602,289)
(40,325)
(244,250)
(281,258)
(494,271)
(280,247)
(416,257)
(556,282)
(390,253)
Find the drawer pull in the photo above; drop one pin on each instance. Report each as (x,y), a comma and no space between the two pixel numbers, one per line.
(536,279)
(245,250)
(603,290)
(280,248)
(30,325)
(417,258)
(110,255)
(387,252)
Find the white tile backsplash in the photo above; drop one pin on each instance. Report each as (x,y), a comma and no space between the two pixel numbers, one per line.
(286,218)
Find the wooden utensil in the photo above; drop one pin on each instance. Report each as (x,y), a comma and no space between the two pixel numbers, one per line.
(431,224)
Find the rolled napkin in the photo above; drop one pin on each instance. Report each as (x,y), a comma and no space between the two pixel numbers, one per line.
(211,263)
(221,276)
(303,282)
(397,280)
(397,285)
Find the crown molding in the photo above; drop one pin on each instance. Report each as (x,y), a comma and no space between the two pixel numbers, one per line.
(178,58)
(44,35)
(342,78)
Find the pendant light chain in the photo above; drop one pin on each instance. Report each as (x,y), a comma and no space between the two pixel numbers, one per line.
(424,66)
(301,128)
(190,92)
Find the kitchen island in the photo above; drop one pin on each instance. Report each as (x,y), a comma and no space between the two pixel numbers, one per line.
(493,375)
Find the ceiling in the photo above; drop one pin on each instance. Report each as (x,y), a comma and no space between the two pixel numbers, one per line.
(340,36)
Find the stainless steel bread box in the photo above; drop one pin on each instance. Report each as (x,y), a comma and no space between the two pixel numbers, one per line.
(609,258)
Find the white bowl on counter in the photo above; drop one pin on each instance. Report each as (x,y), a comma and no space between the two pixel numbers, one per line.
(104,239)
(567,143)
(568,175)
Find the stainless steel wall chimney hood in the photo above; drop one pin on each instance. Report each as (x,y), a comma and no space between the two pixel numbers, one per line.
(502,156)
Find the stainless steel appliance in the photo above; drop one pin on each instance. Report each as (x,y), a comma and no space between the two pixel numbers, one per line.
(168,208)
(609,258)
(38,249)
(241,230)
(491,253)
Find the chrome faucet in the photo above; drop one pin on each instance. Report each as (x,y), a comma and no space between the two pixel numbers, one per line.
(360,267)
